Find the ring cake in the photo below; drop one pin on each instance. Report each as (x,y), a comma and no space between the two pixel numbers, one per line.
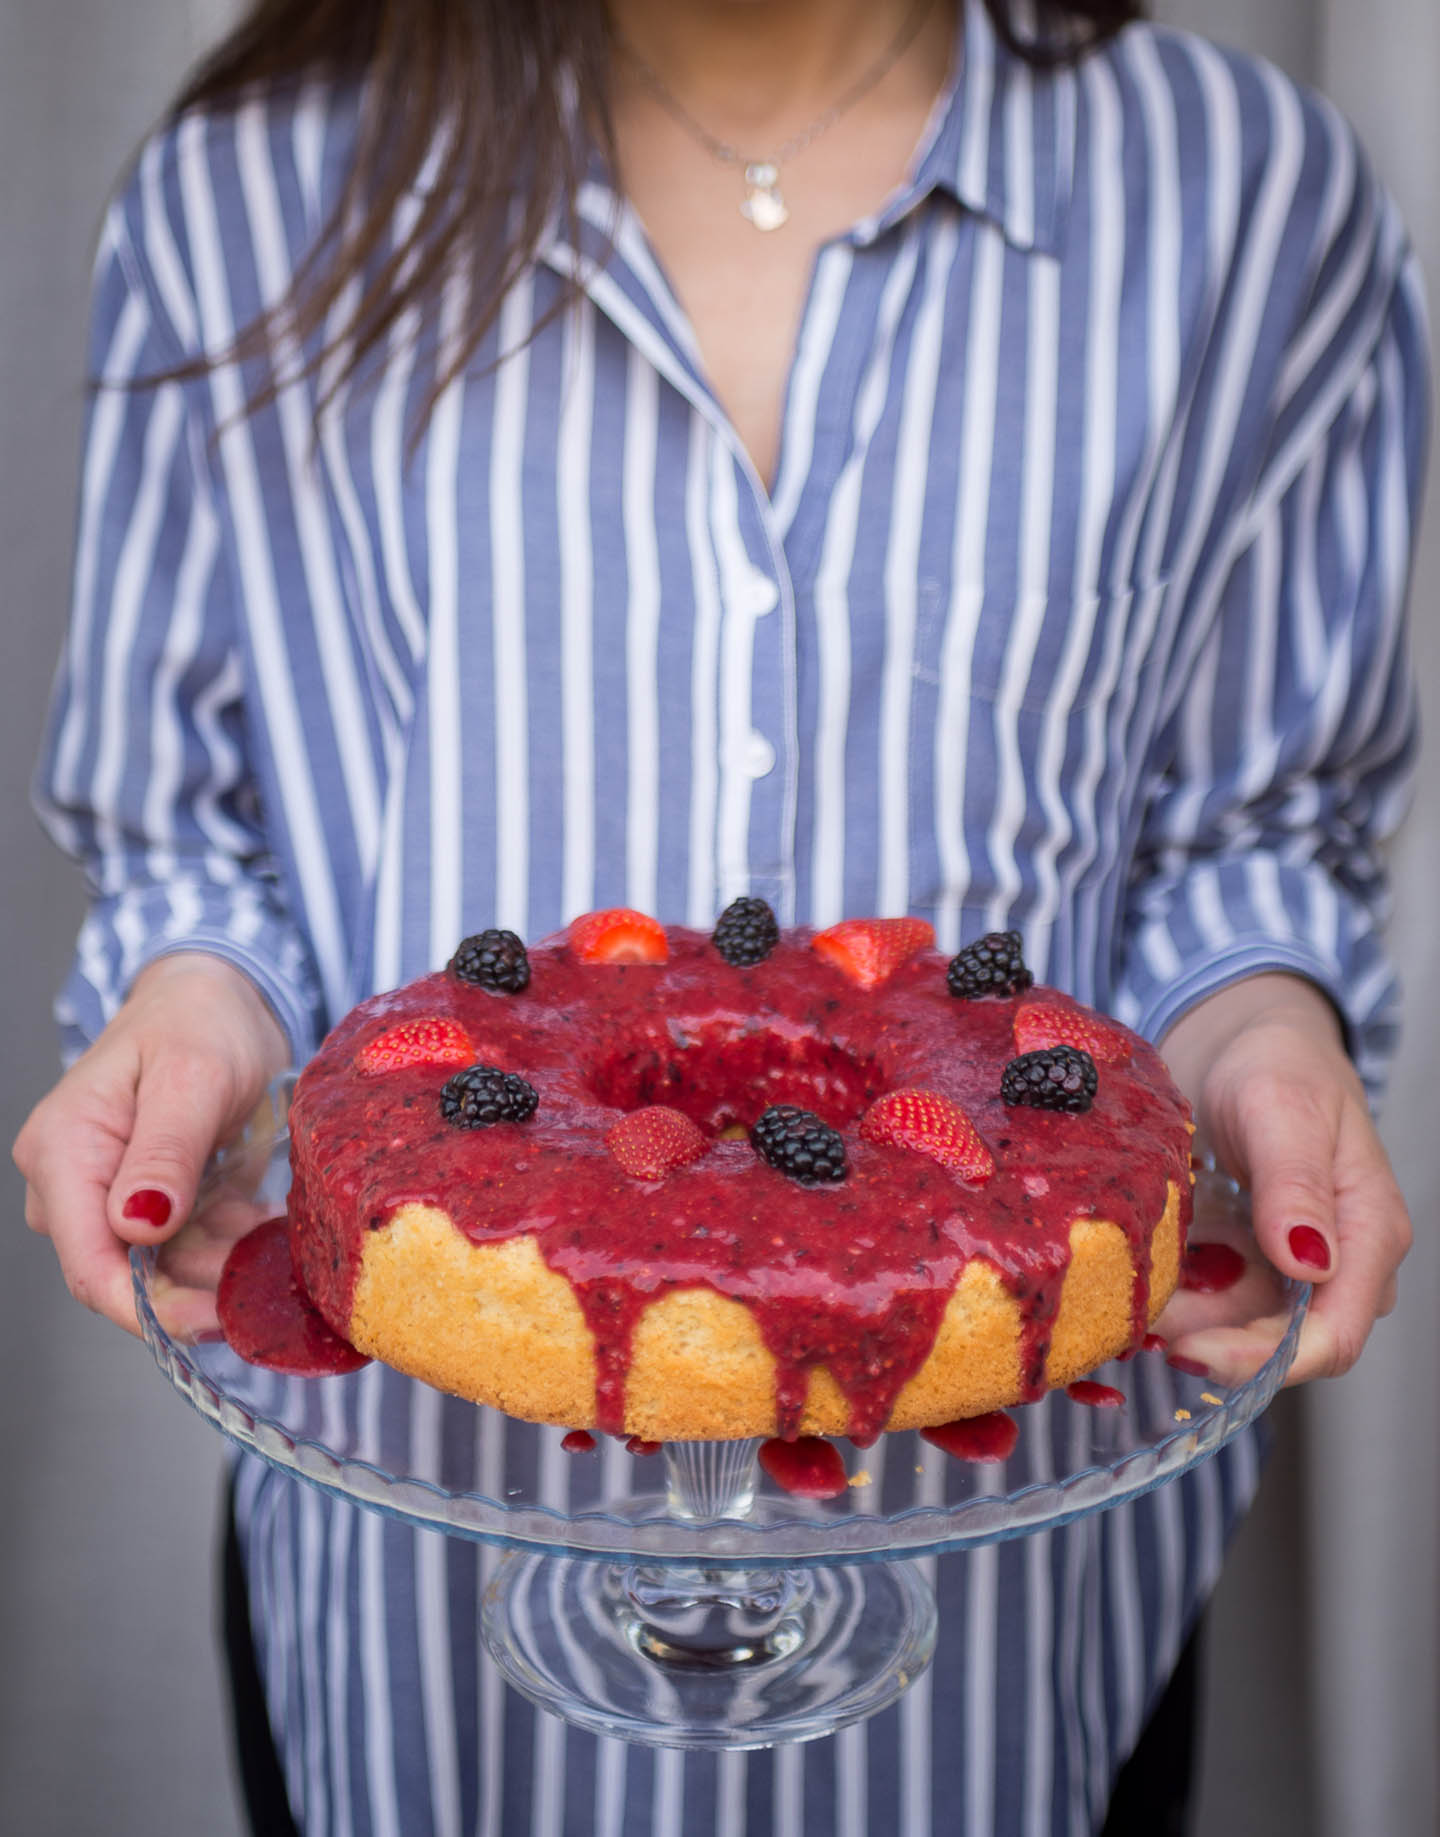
(685,1185)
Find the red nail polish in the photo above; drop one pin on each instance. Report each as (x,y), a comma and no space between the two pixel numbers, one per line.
(1307,1246)
(1191,1367)
(150,1206)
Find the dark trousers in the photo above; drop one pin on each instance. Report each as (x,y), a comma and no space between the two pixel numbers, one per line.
(1152,1795)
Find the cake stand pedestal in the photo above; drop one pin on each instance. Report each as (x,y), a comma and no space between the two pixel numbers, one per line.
(698,1654)
(720,1612)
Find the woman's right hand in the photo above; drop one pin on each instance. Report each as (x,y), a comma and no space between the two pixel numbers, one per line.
(114,1154)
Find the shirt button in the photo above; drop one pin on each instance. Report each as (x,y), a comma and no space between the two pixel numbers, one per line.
(759,756)
(761,593)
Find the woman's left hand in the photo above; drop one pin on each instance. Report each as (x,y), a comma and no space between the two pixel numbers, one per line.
(1278,1103)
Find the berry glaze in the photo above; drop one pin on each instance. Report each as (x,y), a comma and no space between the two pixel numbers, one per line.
(1209,1269)
(977,1438)
(267,1317)
(853,1275)
(810,1468)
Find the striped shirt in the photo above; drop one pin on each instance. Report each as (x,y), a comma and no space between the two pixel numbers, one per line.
(1075,605)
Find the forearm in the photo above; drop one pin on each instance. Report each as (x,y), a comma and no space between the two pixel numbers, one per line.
(197,975)
(1196,1041)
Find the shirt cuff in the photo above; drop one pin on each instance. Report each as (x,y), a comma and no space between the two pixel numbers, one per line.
(122,935)
(1207,931)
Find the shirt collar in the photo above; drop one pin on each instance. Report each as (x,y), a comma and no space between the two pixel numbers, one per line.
(1001,140)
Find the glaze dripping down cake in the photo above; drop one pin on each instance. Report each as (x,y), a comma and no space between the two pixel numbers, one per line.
(690,1185)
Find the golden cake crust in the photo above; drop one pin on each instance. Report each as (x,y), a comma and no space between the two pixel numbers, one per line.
(492,1322)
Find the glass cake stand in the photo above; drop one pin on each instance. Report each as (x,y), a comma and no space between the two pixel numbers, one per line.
(706,1608)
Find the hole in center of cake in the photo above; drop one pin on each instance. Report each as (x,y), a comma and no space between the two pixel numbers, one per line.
(724,1080)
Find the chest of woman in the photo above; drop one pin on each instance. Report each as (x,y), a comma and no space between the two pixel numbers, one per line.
(966,467)
(577,601)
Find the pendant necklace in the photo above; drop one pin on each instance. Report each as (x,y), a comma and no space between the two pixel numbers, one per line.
(763,204)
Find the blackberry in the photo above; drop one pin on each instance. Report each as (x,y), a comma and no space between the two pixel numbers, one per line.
(483,1094)
(992,965)
(493,959)
(746,932)
(799,1144)
(1055,1078)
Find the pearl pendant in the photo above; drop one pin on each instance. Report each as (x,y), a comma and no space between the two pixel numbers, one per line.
(763,206)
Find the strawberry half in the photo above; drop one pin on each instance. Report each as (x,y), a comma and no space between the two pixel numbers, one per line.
(436,1041)
(1041,1023)
(870,950)
(649,1143)
(618,935)
(931,1125)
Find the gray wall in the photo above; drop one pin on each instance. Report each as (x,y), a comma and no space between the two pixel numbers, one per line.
(110,1707)
(110,1713)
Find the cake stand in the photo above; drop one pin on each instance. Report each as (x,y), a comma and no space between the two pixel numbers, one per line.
(709,1608)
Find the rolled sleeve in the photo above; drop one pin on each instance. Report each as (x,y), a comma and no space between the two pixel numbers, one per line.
(144,777)
(1284,768)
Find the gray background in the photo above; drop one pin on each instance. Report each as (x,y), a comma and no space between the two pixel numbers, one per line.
(110,1705)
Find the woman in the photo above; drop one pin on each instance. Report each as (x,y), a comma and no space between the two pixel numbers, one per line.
(845,451)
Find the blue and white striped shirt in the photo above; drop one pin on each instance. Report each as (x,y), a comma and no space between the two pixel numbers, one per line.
(1076,605)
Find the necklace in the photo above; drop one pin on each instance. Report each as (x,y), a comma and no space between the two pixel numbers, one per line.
(763,205)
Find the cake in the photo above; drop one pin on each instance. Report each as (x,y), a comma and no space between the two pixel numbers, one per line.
(690,1185)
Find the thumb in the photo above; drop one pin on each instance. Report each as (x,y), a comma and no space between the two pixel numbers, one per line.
(183,1106)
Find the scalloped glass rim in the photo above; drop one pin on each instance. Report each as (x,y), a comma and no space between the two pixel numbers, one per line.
(807,1533)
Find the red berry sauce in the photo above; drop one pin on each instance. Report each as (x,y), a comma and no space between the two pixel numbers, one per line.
(977,1438)
(578,1441)
(853,1275)
(1209,1269)
(810,1467)
(266,1316)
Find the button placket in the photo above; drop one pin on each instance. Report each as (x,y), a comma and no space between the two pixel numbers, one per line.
(759,756)
(774,725)
(763,594)
(751,830)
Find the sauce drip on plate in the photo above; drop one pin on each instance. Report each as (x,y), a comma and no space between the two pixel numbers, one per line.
(977,1438)
(266,1316)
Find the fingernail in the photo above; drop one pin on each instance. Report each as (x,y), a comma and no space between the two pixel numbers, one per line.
(1307,1246)
(149,1205)
(1191,1367)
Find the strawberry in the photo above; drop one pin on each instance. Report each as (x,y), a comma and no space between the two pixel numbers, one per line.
(931,1125)
(648,1143)
(1039,1024)
(434,1041)
(870,950)
(618,935)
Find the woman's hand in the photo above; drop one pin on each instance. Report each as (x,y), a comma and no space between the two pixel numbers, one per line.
(1278,1103)
(113,1155)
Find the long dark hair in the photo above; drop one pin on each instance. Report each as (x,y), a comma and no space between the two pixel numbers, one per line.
(490,70)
